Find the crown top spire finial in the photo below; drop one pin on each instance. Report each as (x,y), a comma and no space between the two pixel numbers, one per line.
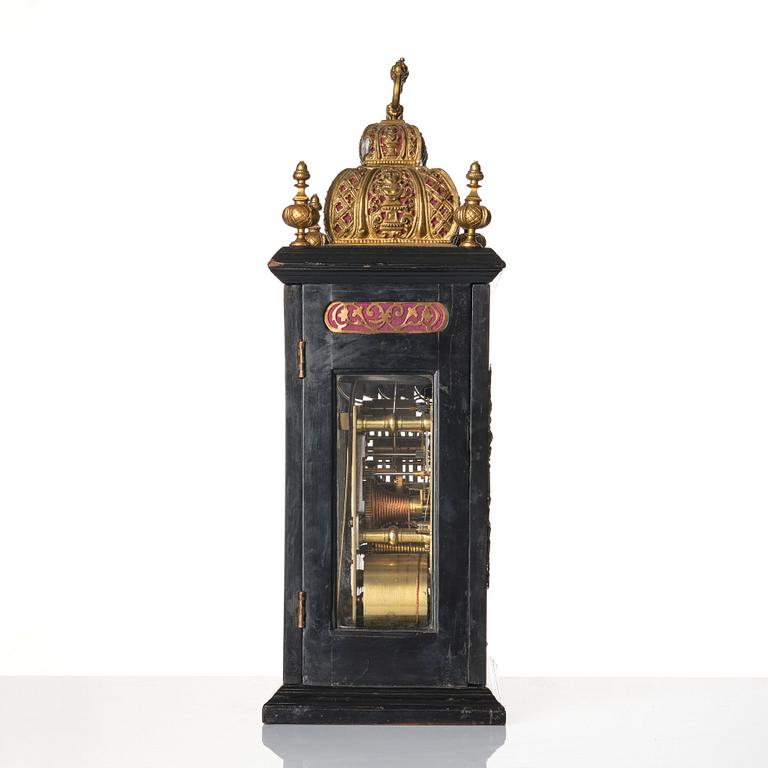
(399,74)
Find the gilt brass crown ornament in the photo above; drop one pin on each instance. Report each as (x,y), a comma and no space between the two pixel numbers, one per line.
(392,197)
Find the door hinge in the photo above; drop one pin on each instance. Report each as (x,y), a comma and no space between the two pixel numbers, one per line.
(301,365)
(301,609)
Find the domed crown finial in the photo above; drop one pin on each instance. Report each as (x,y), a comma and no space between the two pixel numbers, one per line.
(392,197)
(399,74)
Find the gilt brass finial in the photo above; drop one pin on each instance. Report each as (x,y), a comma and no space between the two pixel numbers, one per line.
(399,74)
(471,215)
(314,236)
(300,214)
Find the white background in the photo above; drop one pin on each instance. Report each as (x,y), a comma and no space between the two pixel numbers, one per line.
(146,152)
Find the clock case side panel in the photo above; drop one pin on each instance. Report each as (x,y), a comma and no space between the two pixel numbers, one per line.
(294,490)
(479,484)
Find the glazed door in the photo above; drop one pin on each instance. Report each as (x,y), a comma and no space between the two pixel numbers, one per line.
(386,488)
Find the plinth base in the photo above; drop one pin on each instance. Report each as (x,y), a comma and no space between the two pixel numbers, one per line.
(345,705)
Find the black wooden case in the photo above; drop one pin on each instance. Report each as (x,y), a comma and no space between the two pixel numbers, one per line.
(334,674)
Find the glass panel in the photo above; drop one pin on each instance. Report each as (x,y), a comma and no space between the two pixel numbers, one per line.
(384,532)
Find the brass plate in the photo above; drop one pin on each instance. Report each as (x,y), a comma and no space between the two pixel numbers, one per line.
(386,317)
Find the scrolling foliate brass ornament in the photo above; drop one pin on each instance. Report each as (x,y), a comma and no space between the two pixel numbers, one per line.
(386,317)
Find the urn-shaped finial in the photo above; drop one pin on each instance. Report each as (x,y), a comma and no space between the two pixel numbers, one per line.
(472,216)
(300,214)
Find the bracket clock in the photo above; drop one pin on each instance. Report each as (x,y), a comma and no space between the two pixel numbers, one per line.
(387,442)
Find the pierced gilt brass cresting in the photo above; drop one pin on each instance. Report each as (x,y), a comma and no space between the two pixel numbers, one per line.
(392,197)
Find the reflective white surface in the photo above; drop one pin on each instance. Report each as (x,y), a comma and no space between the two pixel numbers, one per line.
(216,723)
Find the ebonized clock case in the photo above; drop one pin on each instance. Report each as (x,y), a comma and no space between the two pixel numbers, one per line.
(336,674)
